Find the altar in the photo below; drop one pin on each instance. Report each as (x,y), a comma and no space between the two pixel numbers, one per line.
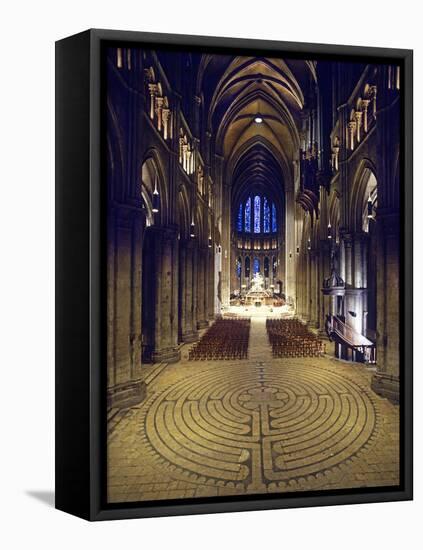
(256,294)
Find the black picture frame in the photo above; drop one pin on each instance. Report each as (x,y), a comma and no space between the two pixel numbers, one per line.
(80,280)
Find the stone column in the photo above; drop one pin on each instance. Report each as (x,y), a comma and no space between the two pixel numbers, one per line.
(111,299)
(325,269)
(199,287)
(299,285)
(287,239)
(348,259)
(364,248)
(360,279)
(351,295)
(125,234)
(136,295)
(202,321)
(314,320)
(189,285)
(174,316)
(217,280)
(342,259)
(226,245)
(165,257)
(206,283)
(189,330)
(182,290)
(195,286)
(386,380)
(122,317)
(234,280)
(317,298)
(304,287)
(211,283)
(308,288)
(358,262)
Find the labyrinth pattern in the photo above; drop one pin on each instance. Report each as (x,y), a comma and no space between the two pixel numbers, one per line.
(259,426)
(248,427)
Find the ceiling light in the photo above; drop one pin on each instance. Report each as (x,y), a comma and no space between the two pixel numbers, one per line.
(258,119)
(156,198)
(370,208)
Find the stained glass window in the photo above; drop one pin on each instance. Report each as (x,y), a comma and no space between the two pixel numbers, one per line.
(239,221)
(266,215)
(266,266)
(256,214)
(248,215)
(256,266)
(238,267)
(274,221)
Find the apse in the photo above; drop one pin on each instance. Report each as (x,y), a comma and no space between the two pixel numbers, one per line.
(258,218)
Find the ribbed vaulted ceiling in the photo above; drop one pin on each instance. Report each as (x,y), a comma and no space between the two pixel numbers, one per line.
(237,89)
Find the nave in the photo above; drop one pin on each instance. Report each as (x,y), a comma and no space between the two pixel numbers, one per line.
(241,182)
(253,273)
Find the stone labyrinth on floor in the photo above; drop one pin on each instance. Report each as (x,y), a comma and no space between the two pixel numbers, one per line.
(260,425)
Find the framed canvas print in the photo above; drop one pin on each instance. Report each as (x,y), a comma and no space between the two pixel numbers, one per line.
(234,274)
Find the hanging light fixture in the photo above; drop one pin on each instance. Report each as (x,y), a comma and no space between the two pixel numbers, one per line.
(309,244)
(210,242)
(156,197)
(329,231)
(192,229)
(369,208)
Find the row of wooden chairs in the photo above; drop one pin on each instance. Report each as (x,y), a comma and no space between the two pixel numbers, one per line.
(291,338)
(226,339)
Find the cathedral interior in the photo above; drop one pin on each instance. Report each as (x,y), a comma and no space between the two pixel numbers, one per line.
(253,266)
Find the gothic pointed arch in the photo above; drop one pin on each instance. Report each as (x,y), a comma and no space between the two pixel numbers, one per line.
(364,187)
(153,183)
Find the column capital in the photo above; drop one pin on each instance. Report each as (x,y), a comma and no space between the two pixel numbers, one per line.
(126,214)
(389,219)
(189,243)
(360,236)
(347,238)
(325,245)
(167,231)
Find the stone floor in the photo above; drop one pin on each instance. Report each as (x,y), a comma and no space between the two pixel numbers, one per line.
(252,426)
